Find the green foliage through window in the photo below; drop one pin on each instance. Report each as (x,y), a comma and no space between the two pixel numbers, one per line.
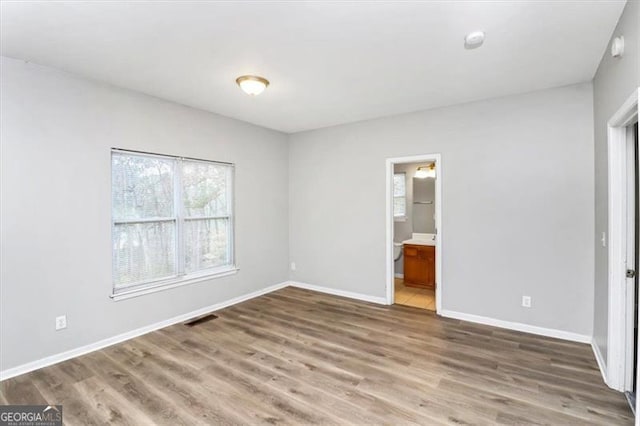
(171,217)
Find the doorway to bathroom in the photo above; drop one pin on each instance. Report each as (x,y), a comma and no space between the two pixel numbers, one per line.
(414,231)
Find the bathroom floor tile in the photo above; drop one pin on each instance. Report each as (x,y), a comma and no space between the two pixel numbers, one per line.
(412,296)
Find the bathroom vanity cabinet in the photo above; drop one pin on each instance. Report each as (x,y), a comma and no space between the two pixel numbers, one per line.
(419,266)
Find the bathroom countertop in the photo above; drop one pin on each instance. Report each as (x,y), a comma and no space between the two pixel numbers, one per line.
(420,242)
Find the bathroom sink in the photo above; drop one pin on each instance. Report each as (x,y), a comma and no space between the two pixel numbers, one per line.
(421,239)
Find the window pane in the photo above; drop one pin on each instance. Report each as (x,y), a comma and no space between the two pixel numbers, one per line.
(399,185)
(142,187)
(206,189)
(143,252)
(206,243)
(399,206)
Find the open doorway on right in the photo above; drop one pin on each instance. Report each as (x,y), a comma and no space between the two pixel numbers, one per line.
(415,235)
(634,217)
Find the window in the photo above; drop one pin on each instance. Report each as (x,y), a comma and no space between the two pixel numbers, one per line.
(399,197)
(172,220)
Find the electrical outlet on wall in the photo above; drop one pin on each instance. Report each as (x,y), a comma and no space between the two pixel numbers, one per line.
(293,266)
(61,322)
(526,301)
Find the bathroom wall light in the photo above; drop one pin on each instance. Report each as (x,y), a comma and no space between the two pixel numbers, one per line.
(421,173)
(252,84)
(424,172)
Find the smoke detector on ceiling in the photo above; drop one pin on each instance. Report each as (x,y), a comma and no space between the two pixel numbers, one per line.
(617,47)
(474,40)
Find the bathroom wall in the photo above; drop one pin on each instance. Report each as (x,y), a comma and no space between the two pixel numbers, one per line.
(517,205)
(424,221)
(613,83)
(403,229)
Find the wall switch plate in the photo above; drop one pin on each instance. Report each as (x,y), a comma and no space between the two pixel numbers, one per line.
(526,301)
(604,239)
(293,266)
(61,322)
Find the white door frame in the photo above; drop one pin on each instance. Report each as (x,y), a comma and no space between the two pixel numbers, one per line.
(619,373)
(390,162)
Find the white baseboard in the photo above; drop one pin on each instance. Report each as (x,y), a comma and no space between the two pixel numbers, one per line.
(600,360)
(549,332)
(54,359)
(63,356)
(343,293)
(398,275)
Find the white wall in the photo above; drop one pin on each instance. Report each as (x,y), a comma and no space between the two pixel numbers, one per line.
(614,82)
(517,204)
(57,131)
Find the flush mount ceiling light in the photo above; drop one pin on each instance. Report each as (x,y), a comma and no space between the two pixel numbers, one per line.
(474,40)
(252,84)
(424,172)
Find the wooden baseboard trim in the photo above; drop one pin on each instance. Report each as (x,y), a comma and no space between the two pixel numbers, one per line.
(63,356)
(526,328)
(343,293)
(600,360)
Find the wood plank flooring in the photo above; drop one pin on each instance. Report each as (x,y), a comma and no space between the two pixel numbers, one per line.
(300,357)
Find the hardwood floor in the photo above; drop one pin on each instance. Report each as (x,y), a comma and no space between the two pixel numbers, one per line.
(423,298)
(299,357)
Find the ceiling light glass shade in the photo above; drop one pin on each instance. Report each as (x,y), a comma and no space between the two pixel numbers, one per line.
(252,84)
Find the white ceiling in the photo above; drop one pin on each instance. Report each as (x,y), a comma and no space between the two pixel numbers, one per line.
(328,62)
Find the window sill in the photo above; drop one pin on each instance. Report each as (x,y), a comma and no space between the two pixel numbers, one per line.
(399,218)
(173,283)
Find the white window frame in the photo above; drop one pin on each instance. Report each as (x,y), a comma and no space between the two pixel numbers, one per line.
(400,218)
(179,218)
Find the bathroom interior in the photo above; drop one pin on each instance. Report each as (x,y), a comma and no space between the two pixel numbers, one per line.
(414,230)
